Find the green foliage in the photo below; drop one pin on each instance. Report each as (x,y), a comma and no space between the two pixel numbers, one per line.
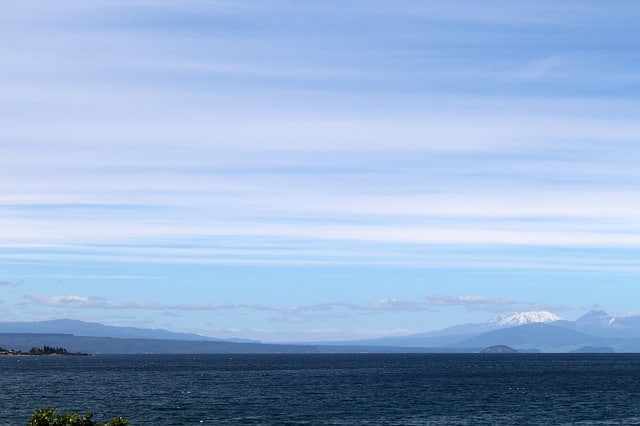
(47,417)
(48,350)
(45,350)
(42,417)
(73,419)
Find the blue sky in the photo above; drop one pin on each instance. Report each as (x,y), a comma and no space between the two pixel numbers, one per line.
(297,170)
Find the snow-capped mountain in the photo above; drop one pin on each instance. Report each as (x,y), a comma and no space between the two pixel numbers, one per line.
(523,318)
(596,331)
(600,323)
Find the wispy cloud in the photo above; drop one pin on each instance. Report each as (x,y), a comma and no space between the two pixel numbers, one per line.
(391,305)
(96,302)
(381,306)
(402,135)
(471,302)
(456,168)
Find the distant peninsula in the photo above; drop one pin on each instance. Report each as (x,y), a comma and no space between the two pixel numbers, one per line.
(45,350)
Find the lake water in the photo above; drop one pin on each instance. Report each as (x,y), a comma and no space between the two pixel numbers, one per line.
(328,389)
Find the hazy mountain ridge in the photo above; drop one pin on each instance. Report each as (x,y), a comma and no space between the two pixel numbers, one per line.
(543,336)
(95,329)
(114,345)
(535,330)
(525,332)
(600,323)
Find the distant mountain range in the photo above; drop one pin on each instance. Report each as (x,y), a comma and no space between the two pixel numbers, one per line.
(95,329)
(528,331)
(93,337)
(538,331)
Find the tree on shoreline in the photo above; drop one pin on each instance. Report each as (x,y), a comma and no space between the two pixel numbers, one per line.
(45,350)
(48,350)
(47,416)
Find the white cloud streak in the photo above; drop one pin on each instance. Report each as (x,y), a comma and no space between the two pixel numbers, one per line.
(351,143)
(381,306)
(96,302)
(470,302)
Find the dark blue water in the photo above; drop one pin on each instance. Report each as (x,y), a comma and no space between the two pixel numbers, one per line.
(328,389)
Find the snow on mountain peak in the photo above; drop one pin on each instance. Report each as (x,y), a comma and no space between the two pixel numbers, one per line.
(525,318)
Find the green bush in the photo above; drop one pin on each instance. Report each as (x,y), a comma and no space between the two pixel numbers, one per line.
(47,417)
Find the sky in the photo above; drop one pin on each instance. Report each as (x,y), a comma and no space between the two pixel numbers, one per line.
(318,170)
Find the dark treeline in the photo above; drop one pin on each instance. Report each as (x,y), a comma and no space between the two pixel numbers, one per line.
(45,350)
(48,350)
